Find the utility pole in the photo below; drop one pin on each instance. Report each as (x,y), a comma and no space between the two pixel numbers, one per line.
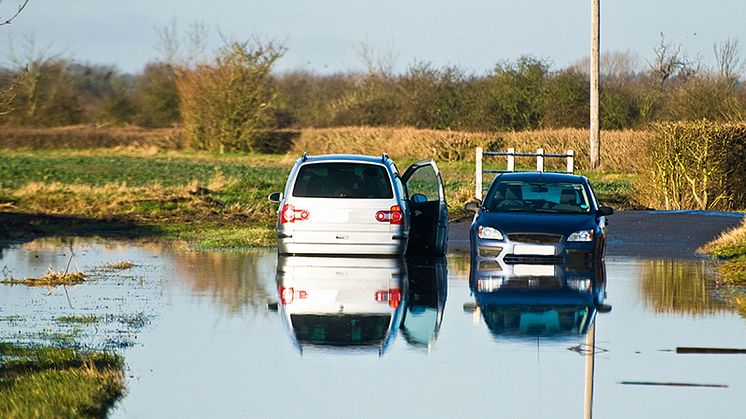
(595,70)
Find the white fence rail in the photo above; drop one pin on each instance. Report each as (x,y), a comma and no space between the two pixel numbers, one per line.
(511,155)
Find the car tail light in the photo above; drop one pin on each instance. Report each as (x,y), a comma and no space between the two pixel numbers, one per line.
(290,214)
(393,215)
(392,296)
(288,295)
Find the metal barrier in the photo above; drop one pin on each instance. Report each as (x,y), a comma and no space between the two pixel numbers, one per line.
(511,155)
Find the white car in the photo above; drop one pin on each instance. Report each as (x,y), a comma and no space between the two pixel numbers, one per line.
(360,205)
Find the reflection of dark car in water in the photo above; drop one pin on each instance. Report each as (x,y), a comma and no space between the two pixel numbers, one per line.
(347,303)
(428,289)
(531,300)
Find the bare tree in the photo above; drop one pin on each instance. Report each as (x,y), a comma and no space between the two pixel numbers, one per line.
(670,62)
(614,64)
(727,54)
(21,5)
(377,63)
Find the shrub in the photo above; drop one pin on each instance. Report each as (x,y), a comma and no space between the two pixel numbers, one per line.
(699,165)
(157,99)
(41,94)
(226,105)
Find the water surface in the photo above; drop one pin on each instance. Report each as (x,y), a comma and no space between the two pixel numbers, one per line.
(388,338)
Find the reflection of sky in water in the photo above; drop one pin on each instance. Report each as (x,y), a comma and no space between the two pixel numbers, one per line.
(212,349)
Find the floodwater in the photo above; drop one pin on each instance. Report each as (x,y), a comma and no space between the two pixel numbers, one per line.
(243,334)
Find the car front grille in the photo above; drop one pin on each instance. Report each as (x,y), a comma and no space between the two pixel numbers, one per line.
(533,260)
(535,238)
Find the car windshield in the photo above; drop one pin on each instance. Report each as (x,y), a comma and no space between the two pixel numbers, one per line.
(520,196)
(343,180)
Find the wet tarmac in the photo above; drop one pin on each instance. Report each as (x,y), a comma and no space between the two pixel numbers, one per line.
(643,234)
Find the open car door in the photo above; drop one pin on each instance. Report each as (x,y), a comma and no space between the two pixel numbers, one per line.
(427,202)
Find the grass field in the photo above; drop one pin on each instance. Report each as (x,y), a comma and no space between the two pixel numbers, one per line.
(223,196)
(730,249)
(48,382)
(209,200)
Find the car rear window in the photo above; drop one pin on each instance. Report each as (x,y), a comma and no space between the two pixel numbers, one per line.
(343,180)
(349,330)
(538,197)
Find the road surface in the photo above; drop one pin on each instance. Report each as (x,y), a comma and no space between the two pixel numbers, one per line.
(647,234)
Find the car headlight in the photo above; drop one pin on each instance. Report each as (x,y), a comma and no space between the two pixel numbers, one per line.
(581,236)
(489,233)
(579,284)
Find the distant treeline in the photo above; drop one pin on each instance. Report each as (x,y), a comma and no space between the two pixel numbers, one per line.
(235,95)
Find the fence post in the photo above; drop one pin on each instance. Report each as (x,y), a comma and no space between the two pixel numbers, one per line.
(539,159)
(570,161)
(478,177)
(511,160)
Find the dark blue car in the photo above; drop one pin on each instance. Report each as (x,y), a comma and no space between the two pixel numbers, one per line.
(540,218)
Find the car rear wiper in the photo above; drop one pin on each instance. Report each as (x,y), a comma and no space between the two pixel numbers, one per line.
(545,210)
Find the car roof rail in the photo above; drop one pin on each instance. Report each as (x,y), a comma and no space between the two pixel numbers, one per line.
(305,156)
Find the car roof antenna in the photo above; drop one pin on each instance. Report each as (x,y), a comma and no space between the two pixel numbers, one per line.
(384,156)
(305,156)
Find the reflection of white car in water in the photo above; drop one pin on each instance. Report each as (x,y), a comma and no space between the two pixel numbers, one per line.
(349,303)
(427,282)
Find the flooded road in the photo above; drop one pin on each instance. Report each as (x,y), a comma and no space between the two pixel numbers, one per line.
(389,338)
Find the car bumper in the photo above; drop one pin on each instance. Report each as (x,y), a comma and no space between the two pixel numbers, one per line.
(507,252)
(383,249)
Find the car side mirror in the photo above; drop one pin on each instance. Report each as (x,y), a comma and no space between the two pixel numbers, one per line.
(470,307)
(472,206)
(418,198)
(275,197)
(605,210)
(603,308)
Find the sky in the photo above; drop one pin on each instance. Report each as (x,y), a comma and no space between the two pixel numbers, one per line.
(327,36)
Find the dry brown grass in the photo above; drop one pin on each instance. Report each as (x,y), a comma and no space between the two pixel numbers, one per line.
(397,142)
(121,265)
(122,199)
(677,287)
(728,243)
(621,150)
(83,136)
(50,279)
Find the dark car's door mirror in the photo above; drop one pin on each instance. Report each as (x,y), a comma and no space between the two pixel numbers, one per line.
(603,210)
(275,197)
(603,308)
(472,206)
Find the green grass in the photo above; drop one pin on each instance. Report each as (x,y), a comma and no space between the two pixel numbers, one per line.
(19,168)
(54,382)
(616,190)
(733,270)
(208,200)
(730,249)
(87,319)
